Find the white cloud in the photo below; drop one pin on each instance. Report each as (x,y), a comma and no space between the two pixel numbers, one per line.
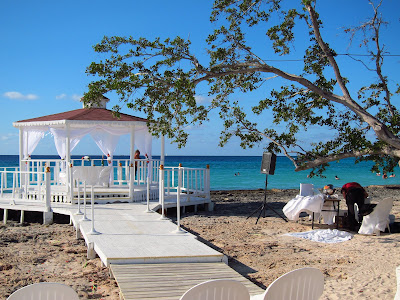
(19,96)
(76,97)
(202,99)
(8,137)
(62,96)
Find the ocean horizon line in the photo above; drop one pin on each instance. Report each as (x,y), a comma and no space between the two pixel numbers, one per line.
(173,155)
(238,172)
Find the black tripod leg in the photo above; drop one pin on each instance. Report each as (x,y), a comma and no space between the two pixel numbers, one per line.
(282,217)
(256,210)
(262,209)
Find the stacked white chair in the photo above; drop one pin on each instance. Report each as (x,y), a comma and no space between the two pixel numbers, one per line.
(378,220)
(218,289)
(44,291)
(397,296)
(300,284)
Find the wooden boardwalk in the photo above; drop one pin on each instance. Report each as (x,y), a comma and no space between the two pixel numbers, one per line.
(170,281)
(147,256)
(127,234)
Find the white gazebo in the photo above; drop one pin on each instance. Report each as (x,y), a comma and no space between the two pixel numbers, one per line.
(42,184)
(68,128)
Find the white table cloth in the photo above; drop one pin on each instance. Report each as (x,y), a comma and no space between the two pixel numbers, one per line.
(299,204)
(93,175)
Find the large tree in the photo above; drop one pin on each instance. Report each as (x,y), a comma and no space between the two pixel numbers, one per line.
(161,78)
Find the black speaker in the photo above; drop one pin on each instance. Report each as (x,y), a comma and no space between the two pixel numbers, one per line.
(268,163)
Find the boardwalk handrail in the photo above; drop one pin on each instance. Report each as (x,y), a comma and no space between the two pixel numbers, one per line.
(186,182)
(195,182)
(12,187)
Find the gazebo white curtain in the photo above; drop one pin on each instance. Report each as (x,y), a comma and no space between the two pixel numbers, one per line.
(60,139)
(143,140)
(31,136)
(105,137)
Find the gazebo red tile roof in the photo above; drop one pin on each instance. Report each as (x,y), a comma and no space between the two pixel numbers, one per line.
(87,114)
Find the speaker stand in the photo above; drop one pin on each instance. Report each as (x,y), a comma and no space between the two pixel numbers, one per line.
(264,206)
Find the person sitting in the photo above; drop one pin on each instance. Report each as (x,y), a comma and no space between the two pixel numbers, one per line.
(353,192)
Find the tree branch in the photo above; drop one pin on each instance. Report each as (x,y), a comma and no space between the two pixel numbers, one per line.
(335,157)
(376,24)
(327,52)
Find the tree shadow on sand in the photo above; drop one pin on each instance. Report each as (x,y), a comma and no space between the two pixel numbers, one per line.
(236,265)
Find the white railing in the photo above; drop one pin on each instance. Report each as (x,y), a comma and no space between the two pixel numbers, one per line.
(131,175)
(145,173)
(14,186)
(183,183)
(121,172)
(57,169)
(195,182)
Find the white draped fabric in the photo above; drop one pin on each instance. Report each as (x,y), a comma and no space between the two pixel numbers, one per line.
(105,137)
(144,141)
(60,139)
(32,136)
(324,235)
(309,204)
(106,141)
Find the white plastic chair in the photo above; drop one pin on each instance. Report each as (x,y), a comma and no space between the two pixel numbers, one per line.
(357,210)
(300,284)
(44,291)
(218,289)
(378,220)
(397,296)
(307,189)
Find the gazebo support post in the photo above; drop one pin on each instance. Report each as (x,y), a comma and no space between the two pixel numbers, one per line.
(132,166)
(68,171)
(132,149)
(162,156)
(71,181)
(161,193)
(21,153)
(132,182)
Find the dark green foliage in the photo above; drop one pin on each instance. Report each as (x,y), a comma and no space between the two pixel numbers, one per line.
(161,78)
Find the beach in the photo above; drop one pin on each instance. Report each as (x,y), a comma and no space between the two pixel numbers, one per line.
(361,268)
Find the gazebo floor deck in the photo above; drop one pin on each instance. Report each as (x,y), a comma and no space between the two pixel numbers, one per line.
(98,190)
(117,193)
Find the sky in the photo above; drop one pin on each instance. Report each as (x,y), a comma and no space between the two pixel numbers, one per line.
(47,45)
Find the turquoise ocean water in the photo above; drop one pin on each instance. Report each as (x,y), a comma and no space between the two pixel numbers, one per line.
(248,175)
